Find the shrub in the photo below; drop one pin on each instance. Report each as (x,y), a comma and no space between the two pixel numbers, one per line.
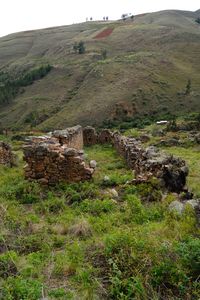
(104,54)
(198,20)
(60,293)
(52,205)
(77,192)
(21,289)
(97,207)
(189,251)
(137,211)
(7,264)
(32,243)
(10,87)
(22,191)
(167,275)
(80,47)
(150,191)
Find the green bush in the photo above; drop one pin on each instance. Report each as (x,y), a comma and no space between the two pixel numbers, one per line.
(32,243)
(77,192)
(167,275)
(23,191)
(8,264)
(21,289)
(60,293)
(10,87)
(189,252)
(150,191)
(97,207)
(125,287)
(52,205)
(198,20)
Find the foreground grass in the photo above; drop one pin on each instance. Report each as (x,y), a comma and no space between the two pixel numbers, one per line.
(82,241)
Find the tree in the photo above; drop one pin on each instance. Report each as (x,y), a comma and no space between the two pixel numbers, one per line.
(188,87)
(124,16)
(79,48)
(132,17)
(104,18)
(107,18)
(91,19)
(104,53)
(198,20)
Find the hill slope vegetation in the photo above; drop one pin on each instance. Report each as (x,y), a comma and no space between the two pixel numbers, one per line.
(141,68)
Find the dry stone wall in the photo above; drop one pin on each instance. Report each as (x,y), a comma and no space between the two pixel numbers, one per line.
(59,157)
(105,136)
(52,159)
(90,136)
(71,137)
(151,162)
(147,163)
(6,155)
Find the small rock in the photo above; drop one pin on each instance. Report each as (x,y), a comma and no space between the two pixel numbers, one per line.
(70,152)
(194,203)
(113,193)
(43,181)
(177,207)
(106,178)
(93,164)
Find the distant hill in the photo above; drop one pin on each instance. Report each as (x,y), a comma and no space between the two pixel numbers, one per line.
(144,70)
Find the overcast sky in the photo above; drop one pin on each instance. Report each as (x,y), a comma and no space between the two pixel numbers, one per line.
(19,15)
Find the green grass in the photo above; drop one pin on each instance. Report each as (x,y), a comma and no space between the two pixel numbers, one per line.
(148,75)
(75,241)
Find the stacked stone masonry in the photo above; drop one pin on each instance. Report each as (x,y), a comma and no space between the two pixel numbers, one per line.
(6,155)
(146,163)
(71,137)
(90,136)
(57,157)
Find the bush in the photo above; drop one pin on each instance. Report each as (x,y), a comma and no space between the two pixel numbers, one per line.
(7,264)
(22,191)
(137,210)
(21,289)
(150,191)
(167,275)
(77,192)
(198,20)
(97,207)
(80,47)
(53,205)
(32,243)
(189,251)
(10,87)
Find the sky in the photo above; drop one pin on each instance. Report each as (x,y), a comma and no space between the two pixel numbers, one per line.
(20,15)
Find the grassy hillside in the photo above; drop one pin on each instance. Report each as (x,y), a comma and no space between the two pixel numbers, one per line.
(88,241)
(148,63)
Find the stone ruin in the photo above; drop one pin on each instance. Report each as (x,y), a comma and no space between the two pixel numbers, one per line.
(90,136)
(6,155)
(57,157)
(146,163)
(150,162)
